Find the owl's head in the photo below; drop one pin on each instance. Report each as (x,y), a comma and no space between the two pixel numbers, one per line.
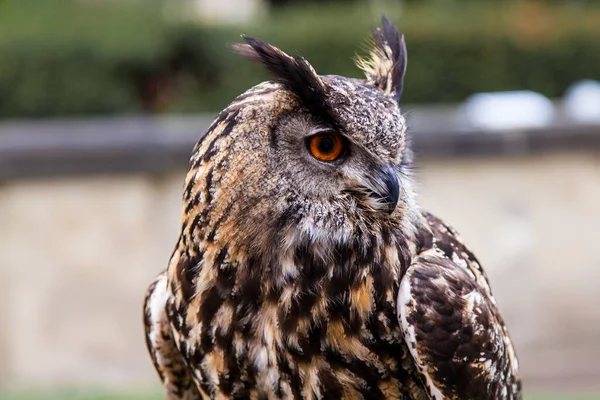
(306,157)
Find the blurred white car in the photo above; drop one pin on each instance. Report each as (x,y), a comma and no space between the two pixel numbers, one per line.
(582,102)
(508,110)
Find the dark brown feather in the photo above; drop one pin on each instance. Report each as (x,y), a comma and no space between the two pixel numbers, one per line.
(294,73)
(458,337)
(386,65)
(389,34)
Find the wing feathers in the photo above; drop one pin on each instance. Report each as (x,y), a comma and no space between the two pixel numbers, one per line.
(167,359)
(454,332)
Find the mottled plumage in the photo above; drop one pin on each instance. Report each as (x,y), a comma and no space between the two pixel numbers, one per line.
(299,278)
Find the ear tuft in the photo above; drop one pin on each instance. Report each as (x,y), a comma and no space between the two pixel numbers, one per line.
(387,61)
(295,73)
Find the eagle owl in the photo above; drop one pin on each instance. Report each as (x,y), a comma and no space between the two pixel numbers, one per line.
(305,268)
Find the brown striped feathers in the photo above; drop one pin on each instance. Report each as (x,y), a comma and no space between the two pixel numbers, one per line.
(305,269)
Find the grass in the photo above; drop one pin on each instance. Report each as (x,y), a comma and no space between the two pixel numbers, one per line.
(80,395)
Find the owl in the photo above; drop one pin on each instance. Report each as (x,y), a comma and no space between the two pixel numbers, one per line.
(305,268)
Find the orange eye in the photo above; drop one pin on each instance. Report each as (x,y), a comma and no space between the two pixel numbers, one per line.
(326,146)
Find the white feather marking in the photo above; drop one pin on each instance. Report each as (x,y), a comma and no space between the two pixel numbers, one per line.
(289,270)
(239,345)
(473,298)
(160,325)
(158,300)
(511,353)
(261,358)
(410,337)
(263,351)
(461,263)
(209,372)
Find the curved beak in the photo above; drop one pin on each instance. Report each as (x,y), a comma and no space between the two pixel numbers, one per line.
(386,188)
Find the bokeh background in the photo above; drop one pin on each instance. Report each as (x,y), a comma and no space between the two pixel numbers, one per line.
(101,102)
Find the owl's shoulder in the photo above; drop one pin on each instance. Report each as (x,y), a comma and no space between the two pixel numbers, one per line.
(451,321)
(436,235)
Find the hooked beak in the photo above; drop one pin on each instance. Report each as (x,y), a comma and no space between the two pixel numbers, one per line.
(386,188)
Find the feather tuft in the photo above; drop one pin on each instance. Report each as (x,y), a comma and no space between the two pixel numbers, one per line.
(294,73)
(386,65)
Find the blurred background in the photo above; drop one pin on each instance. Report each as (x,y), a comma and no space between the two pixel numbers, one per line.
(101,102)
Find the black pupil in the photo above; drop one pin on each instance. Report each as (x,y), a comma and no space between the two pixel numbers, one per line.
(326,144)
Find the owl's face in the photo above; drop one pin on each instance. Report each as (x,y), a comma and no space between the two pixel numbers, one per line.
(307,158)
(354,164)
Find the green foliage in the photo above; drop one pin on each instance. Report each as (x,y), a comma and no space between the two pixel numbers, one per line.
(63,57)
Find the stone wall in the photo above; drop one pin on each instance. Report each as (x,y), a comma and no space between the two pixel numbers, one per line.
(76,255)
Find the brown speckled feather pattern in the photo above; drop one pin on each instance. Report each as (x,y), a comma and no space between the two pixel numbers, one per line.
(293,279)
(452,324)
